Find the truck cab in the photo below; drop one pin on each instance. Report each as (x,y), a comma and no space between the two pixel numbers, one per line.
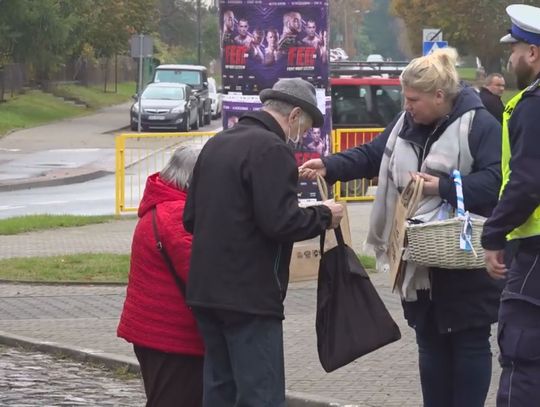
(194,75)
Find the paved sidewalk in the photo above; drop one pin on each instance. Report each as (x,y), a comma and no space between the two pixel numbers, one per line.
(83,319)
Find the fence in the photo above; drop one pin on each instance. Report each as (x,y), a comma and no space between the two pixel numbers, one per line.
(12,79)
(359,189)
(139,155)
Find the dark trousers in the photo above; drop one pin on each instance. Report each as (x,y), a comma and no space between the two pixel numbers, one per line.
(519,334)
(170,379)
(243,365)
(455,368)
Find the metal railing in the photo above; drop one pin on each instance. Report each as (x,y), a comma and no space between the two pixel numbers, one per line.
(140,154)
(358,189)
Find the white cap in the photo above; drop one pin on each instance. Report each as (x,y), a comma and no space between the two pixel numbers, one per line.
(525,24)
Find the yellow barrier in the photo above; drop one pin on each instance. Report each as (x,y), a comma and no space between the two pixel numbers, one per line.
(343,139)
(140,154)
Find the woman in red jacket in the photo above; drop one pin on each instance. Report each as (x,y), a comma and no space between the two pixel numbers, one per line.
(155,317)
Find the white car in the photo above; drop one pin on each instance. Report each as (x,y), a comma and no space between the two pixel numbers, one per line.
(216,96)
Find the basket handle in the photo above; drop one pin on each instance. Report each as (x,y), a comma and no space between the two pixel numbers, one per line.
(459,193)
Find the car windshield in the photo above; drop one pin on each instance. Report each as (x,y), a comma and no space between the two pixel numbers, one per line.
(192,78)
(163,93)
(365,105)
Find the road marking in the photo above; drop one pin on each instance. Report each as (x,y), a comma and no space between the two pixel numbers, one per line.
(11,150)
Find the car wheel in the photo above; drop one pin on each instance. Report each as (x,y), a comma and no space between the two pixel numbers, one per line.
(201,118)
(196,125)
(133,127)
(185,126)
(208,117)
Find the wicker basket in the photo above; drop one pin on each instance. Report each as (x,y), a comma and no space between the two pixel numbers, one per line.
(436,244)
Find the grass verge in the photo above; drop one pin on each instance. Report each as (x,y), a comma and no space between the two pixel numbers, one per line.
(367,261)
(81,268)
(34,108)
(94,96)
(29,223)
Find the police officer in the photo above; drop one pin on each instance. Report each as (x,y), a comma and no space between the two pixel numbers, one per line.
(517,219)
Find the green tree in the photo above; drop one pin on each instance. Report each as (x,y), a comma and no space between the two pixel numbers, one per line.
(472,27)
(346,17)
(39,33)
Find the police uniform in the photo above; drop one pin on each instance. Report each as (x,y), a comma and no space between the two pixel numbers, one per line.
(516,219)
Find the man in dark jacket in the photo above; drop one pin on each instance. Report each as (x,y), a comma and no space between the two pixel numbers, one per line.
(242,209)
(491,93)
(516,218)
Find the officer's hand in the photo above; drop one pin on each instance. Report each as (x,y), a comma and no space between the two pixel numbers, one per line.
(311,168)
(495,263)
(337,212)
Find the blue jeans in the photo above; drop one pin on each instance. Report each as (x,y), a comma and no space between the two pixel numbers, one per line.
(243,361)
(455,368)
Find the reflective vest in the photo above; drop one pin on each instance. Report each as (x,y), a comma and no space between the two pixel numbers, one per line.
(532,226)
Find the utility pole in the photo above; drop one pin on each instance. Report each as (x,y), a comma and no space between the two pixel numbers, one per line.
(199,39)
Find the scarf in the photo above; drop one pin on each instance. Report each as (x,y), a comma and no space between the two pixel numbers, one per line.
(398,162)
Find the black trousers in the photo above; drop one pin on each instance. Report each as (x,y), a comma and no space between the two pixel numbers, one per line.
(519,334)
(171,379)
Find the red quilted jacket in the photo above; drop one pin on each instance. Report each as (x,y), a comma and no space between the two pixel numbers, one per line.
(155,314)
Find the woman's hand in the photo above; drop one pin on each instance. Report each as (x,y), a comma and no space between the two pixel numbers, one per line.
(431,183)
(311,168)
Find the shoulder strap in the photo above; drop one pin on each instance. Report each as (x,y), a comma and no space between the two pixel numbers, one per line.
(168,261)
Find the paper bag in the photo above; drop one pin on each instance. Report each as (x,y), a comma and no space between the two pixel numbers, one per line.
(306,254)
(406,206)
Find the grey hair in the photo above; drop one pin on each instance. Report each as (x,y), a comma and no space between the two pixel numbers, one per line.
(180,166)
(282,108)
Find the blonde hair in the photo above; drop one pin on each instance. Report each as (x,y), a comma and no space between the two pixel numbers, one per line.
(434,71)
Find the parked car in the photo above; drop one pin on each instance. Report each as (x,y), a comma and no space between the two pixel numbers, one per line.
(166,106)
(194,75)
(375,58)
(216,96)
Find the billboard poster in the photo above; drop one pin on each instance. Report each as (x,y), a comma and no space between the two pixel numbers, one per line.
(262,41)
(315,143)
(235,106)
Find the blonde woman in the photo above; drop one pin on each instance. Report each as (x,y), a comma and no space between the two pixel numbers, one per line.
(444,126)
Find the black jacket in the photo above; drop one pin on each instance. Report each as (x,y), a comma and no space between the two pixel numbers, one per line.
(493,103)
(242,209)
(460,298)
(522,192)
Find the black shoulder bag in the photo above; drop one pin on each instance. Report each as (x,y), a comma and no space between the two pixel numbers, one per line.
(168,261)
(351,318)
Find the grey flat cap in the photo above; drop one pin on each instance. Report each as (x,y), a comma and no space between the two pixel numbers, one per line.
(297,92)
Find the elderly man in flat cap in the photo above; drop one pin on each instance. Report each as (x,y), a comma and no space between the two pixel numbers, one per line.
(516,219)
(242,209)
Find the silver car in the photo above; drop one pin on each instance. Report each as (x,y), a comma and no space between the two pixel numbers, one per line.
(166,106)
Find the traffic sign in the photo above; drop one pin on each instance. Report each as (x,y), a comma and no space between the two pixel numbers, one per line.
(430,46)
(431,34)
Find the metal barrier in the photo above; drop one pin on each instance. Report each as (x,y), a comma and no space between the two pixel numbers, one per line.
(343,139)
(140,154)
